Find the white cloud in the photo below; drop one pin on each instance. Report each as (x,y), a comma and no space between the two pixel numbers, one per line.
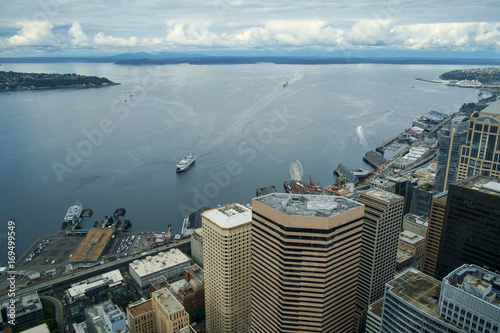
(192,35)
(33,33)
(79,37)
(101,39)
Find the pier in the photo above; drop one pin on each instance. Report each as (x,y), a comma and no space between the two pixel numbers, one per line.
(374,159)
(381,148)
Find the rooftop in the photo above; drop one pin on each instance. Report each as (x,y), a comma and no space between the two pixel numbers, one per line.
(417,289)
(79,289)
(113,312)
(377,307)
(167,300)
(308,205)
(492,108)
(384,195)
(25,303)
(138,309)
(483,184)
(92,245)
(161,261)
(410,237)
(229,216)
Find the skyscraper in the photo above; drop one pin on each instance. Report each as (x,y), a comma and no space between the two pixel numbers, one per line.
(168,312)
(227,259)
(450,141)
(381,228)
(481,152)
(305,257)
(471,223)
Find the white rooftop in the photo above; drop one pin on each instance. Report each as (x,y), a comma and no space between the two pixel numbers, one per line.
(229,216)
(113,277)
(159,262)
(410,237)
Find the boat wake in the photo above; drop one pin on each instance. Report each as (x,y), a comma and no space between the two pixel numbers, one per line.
(362,138)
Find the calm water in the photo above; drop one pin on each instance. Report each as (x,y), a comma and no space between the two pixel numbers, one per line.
(92,146)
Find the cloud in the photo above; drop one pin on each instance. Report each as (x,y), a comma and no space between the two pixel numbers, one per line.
(79,37)
(192,35)
(33,33)
(101,39)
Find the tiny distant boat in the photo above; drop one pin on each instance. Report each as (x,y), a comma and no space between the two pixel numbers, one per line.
(284,84)
(185,163)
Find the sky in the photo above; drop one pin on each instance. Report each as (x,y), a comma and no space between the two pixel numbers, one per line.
(96,27)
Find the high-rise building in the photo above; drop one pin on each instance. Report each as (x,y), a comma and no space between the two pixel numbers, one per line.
(481,152)
(169,313)
(411,305)
(450,142)
(434,231)
(305,258)
(227,268)
(140,317)
(381,228)
(421,198)
(471,223)
(466,301)
(197,246)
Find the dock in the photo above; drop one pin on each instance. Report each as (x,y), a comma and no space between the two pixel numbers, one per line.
(381,148)
(374,159)
(265,190)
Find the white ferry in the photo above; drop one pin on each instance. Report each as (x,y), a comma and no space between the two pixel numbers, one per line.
(74,212)
(185,163)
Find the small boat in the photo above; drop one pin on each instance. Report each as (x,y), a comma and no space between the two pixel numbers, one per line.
(185,163)
(284,84)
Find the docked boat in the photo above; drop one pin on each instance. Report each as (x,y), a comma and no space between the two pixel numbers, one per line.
(185,163)
(73,213)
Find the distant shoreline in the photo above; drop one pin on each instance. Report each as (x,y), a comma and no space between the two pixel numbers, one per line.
(57,88)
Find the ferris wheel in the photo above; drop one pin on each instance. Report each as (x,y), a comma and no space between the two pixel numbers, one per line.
(296,171)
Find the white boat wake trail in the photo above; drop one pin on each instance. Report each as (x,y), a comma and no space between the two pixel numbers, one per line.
(362,139)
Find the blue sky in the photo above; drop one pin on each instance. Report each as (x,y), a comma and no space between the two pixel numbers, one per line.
(64,27)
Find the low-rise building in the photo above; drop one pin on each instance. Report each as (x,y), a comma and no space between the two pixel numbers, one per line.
(105,318)
(169,313)
(26,310)
(169,264)
(190,291)
(140,317)
(416,224)
(412,243)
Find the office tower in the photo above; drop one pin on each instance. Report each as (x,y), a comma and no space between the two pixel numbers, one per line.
(197,246)
(140,317)
(404,188)
(434,231)
(411,305)
(227,260)
(450,142)
(466,301)
(471,223)
(305,258)
(421,198)
(481,152)
(381,228)
(470,299)
(169,313)
(374,317)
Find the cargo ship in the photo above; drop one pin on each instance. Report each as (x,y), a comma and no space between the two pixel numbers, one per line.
(185,163)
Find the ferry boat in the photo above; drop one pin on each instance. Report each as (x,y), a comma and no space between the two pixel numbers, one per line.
(284,84)
(185,163)
(73,213)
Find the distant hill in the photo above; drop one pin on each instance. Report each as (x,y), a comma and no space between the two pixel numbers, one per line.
(483,75)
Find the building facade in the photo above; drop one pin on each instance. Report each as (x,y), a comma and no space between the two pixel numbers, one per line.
(305,258)
(480,155)
(140,317)
(450,142)
(227,268)
(27,310)
(169,314)
(197,246)
(381,229)
(471,223)
(434,231)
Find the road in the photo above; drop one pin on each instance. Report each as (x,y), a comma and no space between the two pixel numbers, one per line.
(59,310)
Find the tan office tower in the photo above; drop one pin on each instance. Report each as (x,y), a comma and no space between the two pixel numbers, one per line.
(434,231)
(168,312)
(382,225)
(226,259)
(305,257)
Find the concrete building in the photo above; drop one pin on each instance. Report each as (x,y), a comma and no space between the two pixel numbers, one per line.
(470,299)
(411,305)
(471,225)
(412,243)
(416,224)
(190,291)
(383,184)
(404,188)
(374,317)
(381,228)
(140,317)
(434,231)
(27,310)
(95,290)
(169,314)
(305,259)
(105,318)
(227,268)
(481,152)
(169,264)
(197,246)
(450,142)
